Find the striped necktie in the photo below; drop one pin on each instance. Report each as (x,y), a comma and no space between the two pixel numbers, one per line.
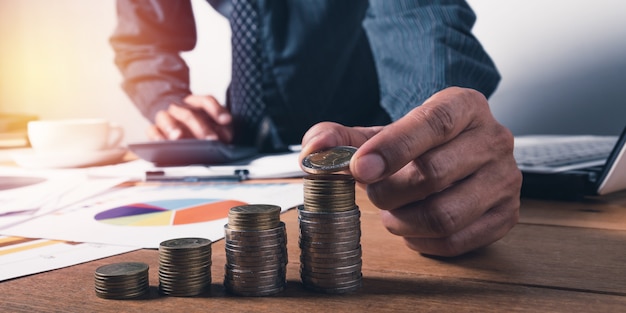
(246,95)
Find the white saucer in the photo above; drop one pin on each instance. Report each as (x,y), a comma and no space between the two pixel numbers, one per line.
(32,159)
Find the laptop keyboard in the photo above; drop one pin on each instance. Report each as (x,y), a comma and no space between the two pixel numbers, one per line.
(564,153)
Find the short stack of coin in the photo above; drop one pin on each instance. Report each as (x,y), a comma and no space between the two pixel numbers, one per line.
(185,266)
(256,251)
(126,280)
(330,227)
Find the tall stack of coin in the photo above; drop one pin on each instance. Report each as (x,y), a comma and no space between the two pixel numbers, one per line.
(126,280)
(330,227)
(185,266)
(256,251)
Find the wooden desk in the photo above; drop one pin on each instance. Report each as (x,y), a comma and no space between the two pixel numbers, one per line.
(567,257)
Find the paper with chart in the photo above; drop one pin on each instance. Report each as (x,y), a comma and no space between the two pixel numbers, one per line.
(147,214)
(26,194)
(25,256)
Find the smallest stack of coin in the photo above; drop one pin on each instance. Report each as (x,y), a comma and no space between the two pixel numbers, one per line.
(126,280)
(256,251)
(185,266)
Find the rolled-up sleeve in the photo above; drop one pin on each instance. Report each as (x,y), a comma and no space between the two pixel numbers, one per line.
(148,40)
(421,47)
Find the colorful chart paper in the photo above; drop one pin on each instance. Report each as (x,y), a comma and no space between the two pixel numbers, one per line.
(148,214)
(168,212)
(21,256)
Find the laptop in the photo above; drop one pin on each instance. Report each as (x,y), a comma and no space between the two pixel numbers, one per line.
(190,152)
(571,166)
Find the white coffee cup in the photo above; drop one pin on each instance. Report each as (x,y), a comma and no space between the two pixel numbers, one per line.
(65,135)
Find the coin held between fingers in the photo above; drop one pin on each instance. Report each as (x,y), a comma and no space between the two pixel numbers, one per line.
(327,161)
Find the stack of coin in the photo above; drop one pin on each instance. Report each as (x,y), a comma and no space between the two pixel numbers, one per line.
(329,193)
(256,251)
(330,227)
(125,280)
(185,266)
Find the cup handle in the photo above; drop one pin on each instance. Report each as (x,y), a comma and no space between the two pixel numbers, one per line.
(116,134)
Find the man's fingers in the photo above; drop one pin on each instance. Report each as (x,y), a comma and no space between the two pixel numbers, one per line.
(211,119)
(198,126)
(328,134)
(168,126)
(442,167)
(440,119)
(489,228)
(453,209)
(212,107)
(154,133)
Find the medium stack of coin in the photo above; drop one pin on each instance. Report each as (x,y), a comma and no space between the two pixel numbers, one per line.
(125,280)
(330,227)
(256,251)
(185,266)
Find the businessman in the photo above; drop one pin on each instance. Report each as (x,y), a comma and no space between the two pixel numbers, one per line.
(405,81)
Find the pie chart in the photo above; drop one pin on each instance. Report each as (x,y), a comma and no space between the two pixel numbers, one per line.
(168,212)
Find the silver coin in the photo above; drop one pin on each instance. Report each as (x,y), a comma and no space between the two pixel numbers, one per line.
(121,292)
(325,237)
(255,293)
(184,290)
(242,259)
(329,276)
(121,269)
(256,210)
(332,285)
(255,286)
(124,286)
(184,270)
(185,243)
(344,245)
(312,229)
(330,160)
(304,267)
(302,213)
(125,280)
(242,240)
(237,254)
(254,279)
(333,280)
(325,179)
(122,296)
(340,290)
(251,285)
(329,257)
(266,269)
(334,266)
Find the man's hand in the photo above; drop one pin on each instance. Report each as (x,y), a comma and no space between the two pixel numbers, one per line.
(444,175)
(202,117)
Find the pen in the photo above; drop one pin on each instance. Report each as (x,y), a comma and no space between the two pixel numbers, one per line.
(159,176)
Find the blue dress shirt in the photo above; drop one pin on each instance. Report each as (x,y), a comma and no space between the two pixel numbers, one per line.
(358,62)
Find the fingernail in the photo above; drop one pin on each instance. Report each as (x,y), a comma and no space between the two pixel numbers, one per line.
(211,137)
(174,133)
(307,143)
(370,167)
(223,119)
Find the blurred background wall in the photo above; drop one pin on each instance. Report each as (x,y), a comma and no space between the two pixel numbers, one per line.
(56,61)
(563,62)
